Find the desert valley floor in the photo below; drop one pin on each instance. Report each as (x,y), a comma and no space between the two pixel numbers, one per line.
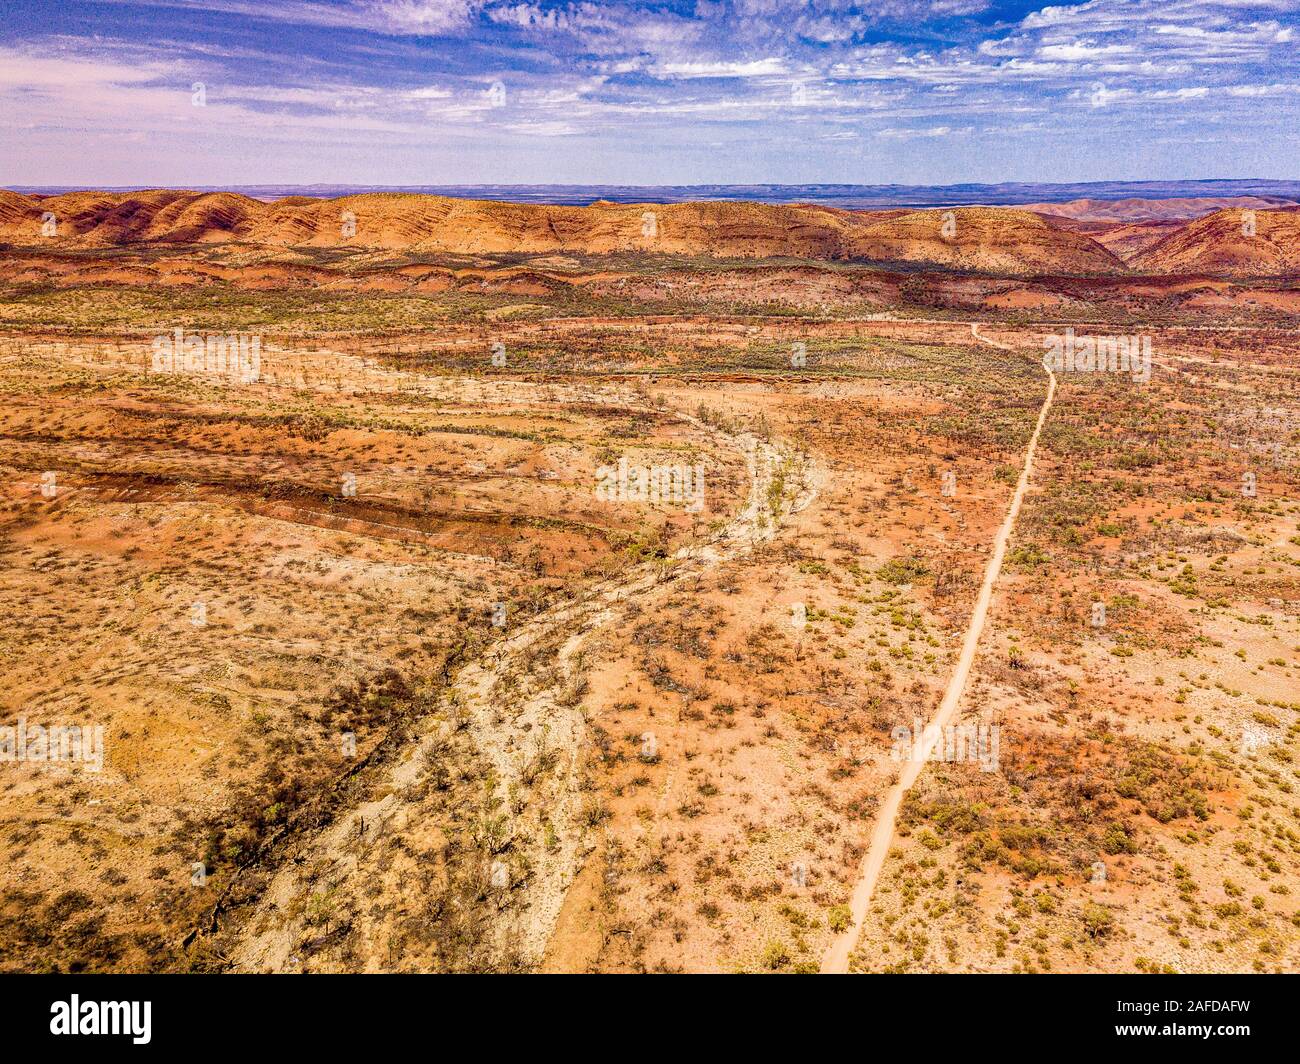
(400,666)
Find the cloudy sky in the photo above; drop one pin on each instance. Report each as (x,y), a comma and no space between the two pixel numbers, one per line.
(677,92)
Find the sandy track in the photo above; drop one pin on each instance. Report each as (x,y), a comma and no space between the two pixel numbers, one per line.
(500,725)
(836,959)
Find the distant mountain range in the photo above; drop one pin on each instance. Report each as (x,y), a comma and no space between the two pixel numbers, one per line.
(852,197)
(1231,236)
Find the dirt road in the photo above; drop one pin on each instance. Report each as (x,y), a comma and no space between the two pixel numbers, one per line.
(836,959)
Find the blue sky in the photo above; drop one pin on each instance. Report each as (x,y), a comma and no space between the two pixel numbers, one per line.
(683,92)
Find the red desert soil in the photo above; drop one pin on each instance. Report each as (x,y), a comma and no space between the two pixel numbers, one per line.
(1134,210)
(1229,243)
(1080,238)
(975,238)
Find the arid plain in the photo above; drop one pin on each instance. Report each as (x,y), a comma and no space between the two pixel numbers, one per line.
(467,586)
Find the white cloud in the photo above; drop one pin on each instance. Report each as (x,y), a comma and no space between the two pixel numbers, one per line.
(757,68)
(422,16)
(911,134)
(1083,51)
(543,129)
